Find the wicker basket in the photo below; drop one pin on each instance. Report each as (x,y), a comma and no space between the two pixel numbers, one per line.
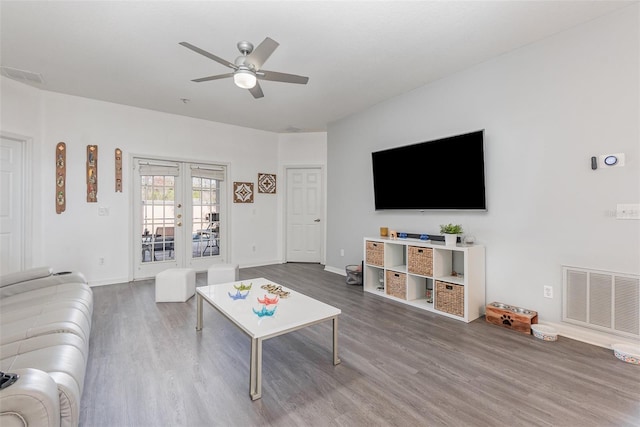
(396,284)
(450,298)
(420,261)
(375,253)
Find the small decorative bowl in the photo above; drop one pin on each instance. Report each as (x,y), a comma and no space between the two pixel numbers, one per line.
(544,332)
(627,353)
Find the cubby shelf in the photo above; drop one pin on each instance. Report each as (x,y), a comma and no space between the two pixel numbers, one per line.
(455,275)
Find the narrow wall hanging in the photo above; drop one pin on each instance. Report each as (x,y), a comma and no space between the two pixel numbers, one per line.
(118,170)
(61,177)
(243,192)
(92,173)
(266,183)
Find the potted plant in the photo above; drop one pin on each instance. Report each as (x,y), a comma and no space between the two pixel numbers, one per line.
(450,232)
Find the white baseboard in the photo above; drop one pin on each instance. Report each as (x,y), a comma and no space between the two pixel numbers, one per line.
(340,271)
(601,339)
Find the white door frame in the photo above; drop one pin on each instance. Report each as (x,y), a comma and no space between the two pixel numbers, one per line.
(133,224)
(26,202)
(323,239)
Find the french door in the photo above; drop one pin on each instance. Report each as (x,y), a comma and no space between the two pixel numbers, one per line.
(179,216)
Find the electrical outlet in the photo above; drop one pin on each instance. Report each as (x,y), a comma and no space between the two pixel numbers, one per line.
(548,291)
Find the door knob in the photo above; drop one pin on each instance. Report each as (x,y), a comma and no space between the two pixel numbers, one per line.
(316,220)
(179,216)
(179,224)
(179,205)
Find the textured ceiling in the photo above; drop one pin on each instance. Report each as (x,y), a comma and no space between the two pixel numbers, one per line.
(356,54)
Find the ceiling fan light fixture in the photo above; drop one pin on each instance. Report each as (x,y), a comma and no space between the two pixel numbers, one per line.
(244,78)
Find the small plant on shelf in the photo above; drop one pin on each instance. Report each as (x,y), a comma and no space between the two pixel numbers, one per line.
(451,229)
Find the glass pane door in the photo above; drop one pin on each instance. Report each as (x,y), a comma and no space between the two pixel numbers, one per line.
(206,217)
(158,217)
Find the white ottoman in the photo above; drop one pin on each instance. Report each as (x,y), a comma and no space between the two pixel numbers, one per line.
(175,285)
(222,273)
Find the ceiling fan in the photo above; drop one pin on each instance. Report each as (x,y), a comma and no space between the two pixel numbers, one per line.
(247,68)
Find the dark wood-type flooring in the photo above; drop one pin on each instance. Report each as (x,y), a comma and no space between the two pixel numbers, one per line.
(401,366)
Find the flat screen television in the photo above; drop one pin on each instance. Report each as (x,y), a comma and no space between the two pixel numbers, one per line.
(444,174)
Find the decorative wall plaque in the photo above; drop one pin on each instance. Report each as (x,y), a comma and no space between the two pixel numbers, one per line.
(118,170)
(61,177)
(243,192)
(266,183)
(92,173)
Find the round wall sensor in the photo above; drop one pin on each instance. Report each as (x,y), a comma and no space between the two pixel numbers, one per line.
(610,160)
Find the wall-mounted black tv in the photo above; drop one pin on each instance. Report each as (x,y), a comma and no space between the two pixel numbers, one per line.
(444,174)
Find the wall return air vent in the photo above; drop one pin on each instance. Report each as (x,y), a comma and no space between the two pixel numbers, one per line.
(602,300)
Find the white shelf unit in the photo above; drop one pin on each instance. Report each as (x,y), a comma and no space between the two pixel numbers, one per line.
(456,272)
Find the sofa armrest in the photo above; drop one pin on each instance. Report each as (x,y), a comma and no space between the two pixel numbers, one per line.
(24,276)
(32,400)
(29,280)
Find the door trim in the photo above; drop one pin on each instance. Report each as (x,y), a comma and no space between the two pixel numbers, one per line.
(225,255)
(285,205)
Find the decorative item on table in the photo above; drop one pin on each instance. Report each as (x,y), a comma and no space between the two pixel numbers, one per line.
(393,234)
(264,311)
(424,237)
(275,290)
(238,295)
(243,287)
(450,232)
(402,235)
(429,295)
(627,353)
(469,239)
(268,301)
(544,332)
(384,231)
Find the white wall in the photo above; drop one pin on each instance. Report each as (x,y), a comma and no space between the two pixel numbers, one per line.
(546,109)
(75,239)
(302,150)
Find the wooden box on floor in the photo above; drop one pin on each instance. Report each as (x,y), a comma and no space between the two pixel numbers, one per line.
(510,317)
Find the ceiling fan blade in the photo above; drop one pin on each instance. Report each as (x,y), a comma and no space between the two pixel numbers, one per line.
(216,77)
(261,53)
(256,91)
(274,76)
(209,55)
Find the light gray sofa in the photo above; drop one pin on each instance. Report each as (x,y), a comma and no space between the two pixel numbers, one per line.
(45,324)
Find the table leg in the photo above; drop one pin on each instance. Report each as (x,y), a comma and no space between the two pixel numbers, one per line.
(198,312)
(255,369)
(336,359)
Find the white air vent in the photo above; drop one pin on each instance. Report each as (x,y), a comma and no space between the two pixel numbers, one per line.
(21,75)
(602,300)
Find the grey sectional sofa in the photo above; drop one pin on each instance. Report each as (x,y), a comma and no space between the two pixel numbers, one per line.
(45,324)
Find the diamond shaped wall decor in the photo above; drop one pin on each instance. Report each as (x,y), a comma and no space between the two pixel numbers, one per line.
(267,183)
(243,192)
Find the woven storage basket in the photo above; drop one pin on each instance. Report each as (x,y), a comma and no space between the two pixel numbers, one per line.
(375,253)
(396,284)
(420,260)
(450,298)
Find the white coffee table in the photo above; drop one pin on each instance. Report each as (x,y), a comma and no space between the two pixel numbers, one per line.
(294,312)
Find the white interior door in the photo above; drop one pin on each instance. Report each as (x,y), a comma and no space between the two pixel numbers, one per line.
(11,206)
(304,215)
